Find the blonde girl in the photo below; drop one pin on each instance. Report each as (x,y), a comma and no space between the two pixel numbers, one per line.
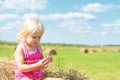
(29,61)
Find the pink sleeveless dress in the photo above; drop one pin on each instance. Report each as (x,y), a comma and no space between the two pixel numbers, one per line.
(30,58)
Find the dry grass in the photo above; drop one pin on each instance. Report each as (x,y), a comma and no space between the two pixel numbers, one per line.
(71,74)
(6,69)
(7,72)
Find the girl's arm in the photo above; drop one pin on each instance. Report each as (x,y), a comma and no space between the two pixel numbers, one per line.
(19,59)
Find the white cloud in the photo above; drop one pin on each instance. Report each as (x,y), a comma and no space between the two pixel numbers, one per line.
(73,21)
(105,33)
(96,7)
(59,16)
(114,24)
(23,4)
(70,20)
(7,16)
(113,27)
(69,15)
(101,33)
(10,26)
(78,15)
(117,23)
(77,26)
(30,15)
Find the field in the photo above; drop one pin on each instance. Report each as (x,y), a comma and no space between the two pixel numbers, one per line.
(97,65)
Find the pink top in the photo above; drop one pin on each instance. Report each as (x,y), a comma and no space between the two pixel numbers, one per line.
(30,58)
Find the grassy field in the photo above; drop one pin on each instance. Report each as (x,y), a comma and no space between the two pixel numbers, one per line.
(99,65)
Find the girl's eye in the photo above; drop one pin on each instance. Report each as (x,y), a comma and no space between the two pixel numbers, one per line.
(33,37)
(36,37)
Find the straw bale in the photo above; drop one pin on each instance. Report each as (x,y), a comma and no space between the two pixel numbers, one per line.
(84,50)
(92,50)
(50,51)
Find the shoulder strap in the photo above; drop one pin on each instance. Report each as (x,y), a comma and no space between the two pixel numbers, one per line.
(24,49)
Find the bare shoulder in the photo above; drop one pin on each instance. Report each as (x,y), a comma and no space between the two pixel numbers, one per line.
(18,51)
(19,55)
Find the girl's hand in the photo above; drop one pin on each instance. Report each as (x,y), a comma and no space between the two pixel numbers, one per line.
(49,58)
(43,63)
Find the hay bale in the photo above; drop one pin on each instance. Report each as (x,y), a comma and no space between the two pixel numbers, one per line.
(50,51)
(6,69)
(92,50)
(118,50)
(102,49)
(84,50)
(115,49)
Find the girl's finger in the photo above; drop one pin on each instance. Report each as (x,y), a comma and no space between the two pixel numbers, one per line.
(44,59)
(45,63)
(45,66)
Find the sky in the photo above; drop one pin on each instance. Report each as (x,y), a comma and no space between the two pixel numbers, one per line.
(86,22)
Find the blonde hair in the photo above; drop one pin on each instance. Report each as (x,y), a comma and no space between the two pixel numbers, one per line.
(30,26)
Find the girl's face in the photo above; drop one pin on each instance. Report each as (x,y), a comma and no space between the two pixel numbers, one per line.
(33,39)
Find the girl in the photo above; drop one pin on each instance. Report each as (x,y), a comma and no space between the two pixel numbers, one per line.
(28,55)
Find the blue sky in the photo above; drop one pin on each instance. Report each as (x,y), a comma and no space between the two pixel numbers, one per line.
(89,22)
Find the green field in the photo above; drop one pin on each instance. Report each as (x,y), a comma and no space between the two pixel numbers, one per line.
(98,66)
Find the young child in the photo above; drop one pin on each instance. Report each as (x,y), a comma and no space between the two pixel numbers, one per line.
(29,60)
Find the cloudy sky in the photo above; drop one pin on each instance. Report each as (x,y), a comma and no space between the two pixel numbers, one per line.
(89,22)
